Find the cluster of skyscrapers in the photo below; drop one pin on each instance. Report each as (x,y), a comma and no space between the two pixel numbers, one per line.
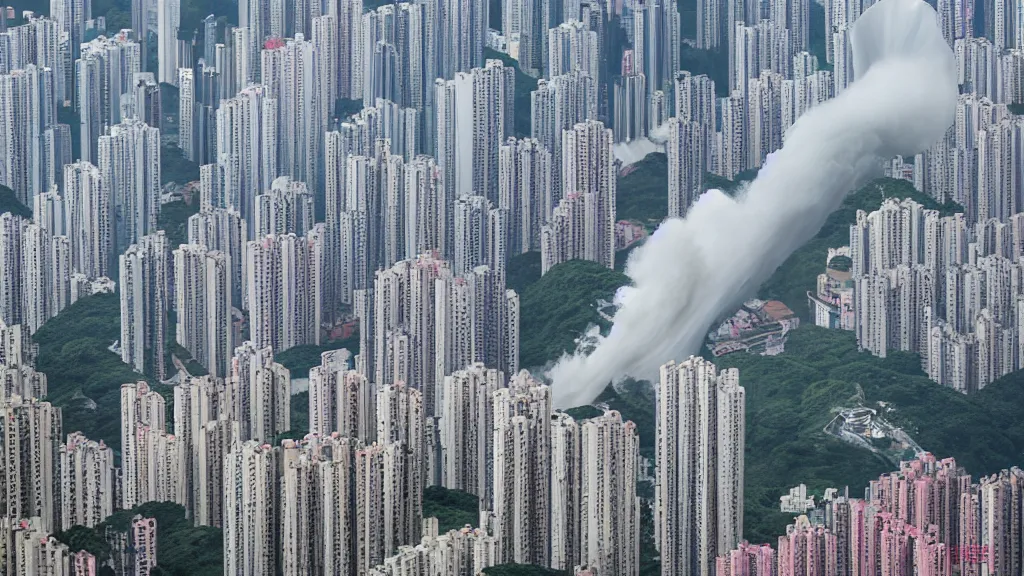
(928,518)
(32,550)
(404,215)
(934,285)
(946,287)
(51,483)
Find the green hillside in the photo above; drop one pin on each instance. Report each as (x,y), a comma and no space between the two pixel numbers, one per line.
(799,272)
(181,548)
(789,397)
(300,359)
(558,308)
(85,377)
(9,203)
(642,195)
(453,509)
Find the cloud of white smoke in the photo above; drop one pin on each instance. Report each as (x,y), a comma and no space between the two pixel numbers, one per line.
(635,151)
(692,271)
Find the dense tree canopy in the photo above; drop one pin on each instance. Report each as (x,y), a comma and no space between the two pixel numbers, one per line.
(84,376)
(557,309)
(453,509)
(9,203)
(181,548)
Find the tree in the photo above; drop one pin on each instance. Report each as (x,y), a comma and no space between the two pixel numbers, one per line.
(9,203)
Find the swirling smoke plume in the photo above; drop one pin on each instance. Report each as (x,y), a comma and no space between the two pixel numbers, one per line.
(693,271)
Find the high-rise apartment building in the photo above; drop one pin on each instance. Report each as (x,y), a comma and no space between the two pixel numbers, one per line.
(755,559)
(793,15)
(21,379)
(401,424)
(222,230)
(202,289)
(287,208)
(659,109)
(29,548)
(283,284)
(467,430)
(212,192)
(686,151)
(142,551)
(187,136)
(380,503)
(48,211)
(763,47)
(566,491)
(522,471)
(104,72)
(199,115)
(27,113)
(565,236)
(428,213)
(252,508)
(764,128)
(31,433)
(477,320)
(730,143)
(88,220)
(699,488)
(423,323)
(144,303)
(341,400)
(152,463)
(630,111)
(695,100)
(463,31)
(400,311)
(463,551)
(11,286)
(525,192)
(348,20)
(289,72)
(143,101)
(71,17)
(88,482)
(197,401)
(247,148)
(558,104)
(168,20)
(216,439)
(129,163)
(61,274)
(161,466)
(37,275)
(260,393)
(589,169)
(40,41)
(523,25)
(655,52)
(317,513)
(481,234)
(323,30)
(573,47)
(609,506)
(710,30)
(474,116)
